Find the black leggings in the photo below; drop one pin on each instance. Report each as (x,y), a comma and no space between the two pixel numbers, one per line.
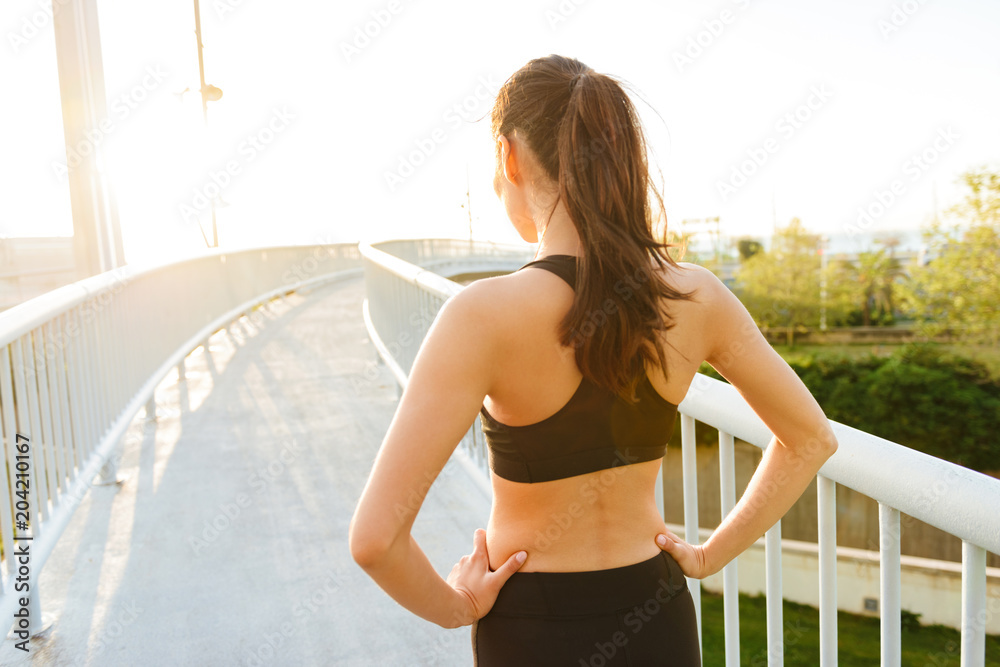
(639,614)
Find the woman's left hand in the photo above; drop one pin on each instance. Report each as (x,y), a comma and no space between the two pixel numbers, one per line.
(479,585)
(690,557)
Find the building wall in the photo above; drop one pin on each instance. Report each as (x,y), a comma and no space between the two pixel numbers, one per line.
(930,588)
(30,267)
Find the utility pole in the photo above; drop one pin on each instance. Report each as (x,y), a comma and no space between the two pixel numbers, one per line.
(468,200)
(774,213)
(823,241)
(204,101)
(934,194)
(718,241)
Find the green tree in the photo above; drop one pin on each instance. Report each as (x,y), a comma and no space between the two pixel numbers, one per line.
(958,290)
(748,248)
(873,278)
(842,299)
(780,286)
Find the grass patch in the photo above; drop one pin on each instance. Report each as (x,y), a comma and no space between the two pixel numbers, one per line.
(858,645)
(985,354)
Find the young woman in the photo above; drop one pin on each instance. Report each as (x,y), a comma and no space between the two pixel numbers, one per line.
(576,364)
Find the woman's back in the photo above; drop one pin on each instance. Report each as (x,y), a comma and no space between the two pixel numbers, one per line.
(604,518)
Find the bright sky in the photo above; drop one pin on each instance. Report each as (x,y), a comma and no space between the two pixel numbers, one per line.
(836,100)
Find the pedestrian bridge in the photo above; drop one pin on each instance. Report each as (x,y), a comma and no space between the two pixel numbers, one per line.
(194,436)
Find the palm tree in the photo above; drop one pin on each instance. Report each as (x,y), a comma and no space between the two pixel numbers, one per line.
(875,274)
(681,241)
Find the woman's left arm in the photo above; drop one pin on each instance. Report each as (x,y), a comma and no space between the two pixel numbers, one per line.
(452,373)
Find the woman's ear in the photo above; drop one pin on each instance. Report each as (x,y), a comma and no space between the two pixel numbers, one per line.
(508,160)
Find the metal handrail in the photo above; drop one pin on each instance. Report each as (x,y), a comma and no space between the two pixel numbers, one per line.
(120,333)
(404,297)
(888,472)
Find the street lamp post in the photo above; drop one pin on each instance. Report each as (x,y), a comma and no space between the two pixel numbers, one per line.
(208,93)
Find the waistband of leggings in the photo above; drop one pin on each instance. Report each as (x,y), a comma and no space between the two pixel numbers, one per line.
(593,592)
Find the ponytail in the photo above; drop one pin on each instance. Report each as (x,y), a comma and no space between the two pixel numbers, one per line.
(587,136)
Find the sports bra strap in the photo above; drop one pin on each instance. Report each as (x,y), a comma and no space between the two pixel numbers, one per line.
(563,266)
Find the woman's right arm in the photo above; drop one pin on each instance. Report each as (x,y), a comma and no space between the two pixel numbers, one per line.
(802,442)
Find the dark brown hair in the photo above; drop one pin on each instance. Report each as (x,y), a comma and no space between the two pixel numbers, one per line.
(586,135)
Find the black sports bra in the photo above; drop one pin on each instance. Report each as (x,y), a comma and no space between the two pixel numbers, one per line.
(595,430)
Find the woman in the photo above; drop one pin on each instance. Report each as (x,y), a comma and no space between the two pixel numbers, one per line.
(576,364)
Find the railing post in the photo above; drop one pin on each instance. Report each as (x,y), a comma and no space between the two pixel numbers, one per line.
(23,426)
(8,434)
(775,599)
(108,474)
(151,408)
(74,412)
(889,585)
(826,492)
(39,623)
(39,475)
(973,605)
(730,579)
(51,413)
(60,371)
(689,463)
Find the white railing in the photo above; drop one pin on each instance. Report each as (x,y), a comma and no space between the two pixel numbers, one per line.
(78,363)
(403,299)
(432,253)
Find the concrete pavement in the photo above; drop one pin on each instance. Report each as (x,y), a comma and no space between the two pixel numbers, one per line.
(226,543)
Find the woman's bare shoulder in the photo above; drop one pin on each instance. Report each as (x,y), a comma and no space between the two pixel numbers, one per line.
(508,305)
(693,279)
(520,290)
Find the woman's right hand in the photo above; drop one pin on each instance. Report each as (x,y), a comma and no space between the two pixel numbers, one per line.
(477,583)
(690,557)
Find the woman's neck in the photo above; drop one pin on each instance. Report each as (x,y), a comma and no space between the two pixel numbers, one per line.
(558,235)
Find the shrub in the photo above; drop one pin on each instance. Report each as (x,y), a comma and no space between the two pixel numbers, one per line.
(938,403)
